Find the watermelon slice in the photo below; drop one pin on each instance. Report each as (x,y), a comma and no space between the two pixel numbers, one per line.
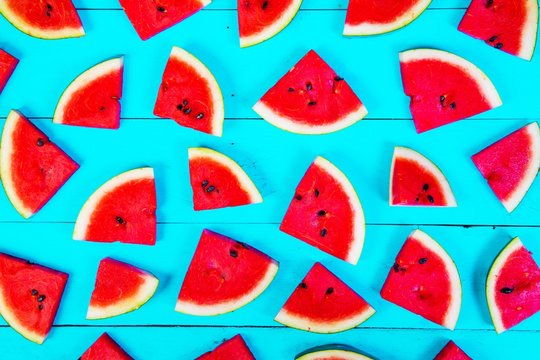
(331,352)
(365,17)
(105,348)
(32,167)
(93,98)
(326,213)
(444,88)
(51,19)
(29,296)
(322,303)
(217,181)
(311,99)
(513,287)
(8,63)
(234,348)
(508,25)
(259,20)
(119,289)
(123,209)
(223,276)
(451,352)
(190,94)
(425,281)
(416,181)
(510,165)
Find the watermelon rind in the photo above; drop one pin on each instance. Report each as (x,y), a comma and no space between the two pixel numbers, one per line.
(530,30)
(16,325)
(334,351)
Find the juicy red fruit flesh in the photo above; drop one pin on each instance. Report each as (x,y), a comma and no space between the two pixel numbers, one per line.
(105,348)
(413,186)
(8,63)
(46,15)
(451,352)
(380,12)
(255,15)
(234,348)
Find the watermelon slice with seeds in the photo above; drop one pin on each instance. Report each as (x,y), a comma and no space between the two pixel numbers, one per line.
(8,63)
(233,348)
(331,352)
(123,209)
(325,212)
(93,98)
(444,88)
(105,348)
(311,99)
(451,352)
(223,276)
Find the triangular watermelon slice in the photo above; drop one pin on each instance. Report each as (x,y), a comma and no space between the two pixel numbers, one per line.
(190,95)
(444,88)
(425,281)
(511,164)
(311,99)
(32,167)
(513,287)
(123,209)
(119,288)
(105,348)
(223,276)
(93,98)
(8,63)
(322,303)
(234,348)
(29,296)
(326,213)
(218,181)
(331,352)
(452,352)
(416,181)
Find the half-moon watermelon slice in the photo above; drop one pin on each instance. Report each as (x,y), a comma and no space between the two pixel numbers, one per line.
(119,289)
(218,181)
(234,348)
(513,287)
(93,98)
(123,209)
(451,352)
(510,165)
(32,167)
(416,181)
(311,99)
(223,276)
(8,63)
(325,212)
(190,95)
(105,348)
(444,88)
(508,25)
(425,281)
(29,296)
(331,352)
(51,19)
(322,303)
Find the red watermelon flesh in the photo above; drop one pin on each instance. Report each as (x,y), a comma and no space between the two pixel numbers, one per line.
(234,348)
(105,348)
(451,352)
(7,66)
(30,295)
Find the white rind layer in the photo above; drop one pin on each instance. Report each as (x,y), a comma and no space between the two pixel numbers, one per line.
(530,29)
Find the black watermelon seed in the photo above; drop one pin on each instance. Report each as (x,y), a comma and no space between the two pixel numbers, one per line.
(185,102)
(499,45)
(396,267)
(492,39)
(324,232)
(303,285)
(317,193)
(321,213)
(49,7)
(233,253)
(34,292)
(161,9)
(102,108)
(40,142)
(422,261)
(489,3)
(187,111)
(210,188)
(309,87)
(200,116)
(41,298)
(329,291)
(425,187)
(441,99)
(312,103)
(204,183)
(291,89)
(453,105)
(298,197)
(417,199)
(430,198)
(40,307)
(338,78)
(119,220)
(265,5)
(179,107)
(507,290)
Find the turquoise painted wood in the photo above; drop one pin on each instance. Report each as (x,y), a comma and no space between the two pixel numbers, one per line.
(473,233)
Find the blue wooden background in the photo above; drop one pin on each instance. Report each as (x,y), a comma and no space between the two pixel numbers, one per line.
(473,233)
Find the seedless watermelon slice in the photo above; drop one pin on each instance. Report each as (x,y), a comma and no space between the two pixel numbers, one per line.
(452,352)
(331,352)
(105,348)
(234,348)
(8,63)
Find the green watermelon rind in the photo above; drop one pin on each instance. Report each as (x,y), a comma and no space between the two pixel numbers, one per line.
(331,351)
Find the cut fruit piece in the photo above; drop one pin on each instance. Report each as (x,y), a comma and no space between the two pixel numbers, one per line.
(452,352)
(508,25)
(51,19)
(331,352)
(123,209)
(311,99)
(32,167)
(217,181)
(425,281)
(29,296)
(325,212)
(513,287)
(8,63)
(234,348)
(224,275)
(190,95)
(444,88)
(510,165)
(416,181)
(366,17)
(93,98)
(259,20)
(322,303)
(105,348)
(119,289)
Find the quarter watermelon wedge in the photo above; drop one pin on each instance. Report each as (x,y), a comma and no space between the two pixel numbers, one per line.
(223,276)
(325,212)
(513,287)
(452,352)
(311,99)
(331,352)
(218,181)
(32,167)
(234,348)
(93,98)
(190,95)
(123,209)
(444,88)
(119,289)
(508,25)
(365,17)
(51,19)
(30,295)
(8,63)
(510,165)
(105,348)
(416,181)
